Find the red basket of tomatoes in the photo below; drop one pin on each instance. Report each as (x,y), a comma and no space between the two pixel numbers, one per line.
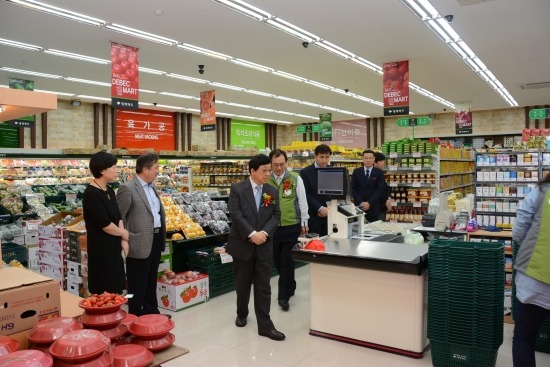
(102,303)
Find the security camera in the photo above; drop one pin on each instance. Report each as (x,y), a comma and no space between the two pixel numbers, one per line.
(449,18)
(201,69)
(444,109)
(346,90)
(154,103)
(305,44)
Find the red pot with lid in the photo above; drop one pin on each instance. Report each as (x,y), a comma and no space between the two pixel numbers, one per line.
(129,319)
(151,326)
(26,358)
(102,321)
(7,345)
(131,355)
(47,331)
(104,360)
(80,345)
(154,345)
(115,332)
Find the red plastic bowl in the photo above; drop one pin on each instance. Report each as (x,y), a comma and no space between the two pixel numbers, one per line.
(45,348)
(151,326)
(7,345)
(25,358)
(104,360)
(131,355)
(102,321)
(48,331)
(155,345)
(101,310)
(129,319)
(115,333)
(80,345)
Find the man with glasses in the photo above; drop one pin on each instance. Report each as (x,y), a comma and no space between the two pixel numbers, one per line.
(317,207)
(293,222)
(368,187)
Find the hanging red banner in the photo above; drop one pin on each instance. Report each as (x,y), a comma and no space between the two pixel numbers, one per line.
(208,110)
(396,88)
(145,129)
(124,76)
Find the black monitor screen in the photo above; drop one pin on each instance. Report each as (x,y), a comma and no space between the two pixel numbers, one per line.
(332,183)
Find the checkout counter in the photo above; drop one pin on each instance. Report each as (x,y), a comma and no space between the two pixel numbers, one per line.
(368,288)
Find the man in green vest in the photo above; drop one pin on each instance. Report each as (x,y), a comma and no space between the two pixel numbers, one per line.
(293,222)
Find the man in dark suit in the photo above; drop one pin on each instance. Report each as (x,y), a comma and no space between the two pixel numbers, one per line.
(255,216)
(385,200)
(367,187)
(317,207)
(144,218)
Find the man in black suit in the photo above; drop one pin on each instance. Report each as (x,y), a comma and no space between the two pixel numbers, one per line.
(255,216)
(385,200)
(367,187)
(317,207)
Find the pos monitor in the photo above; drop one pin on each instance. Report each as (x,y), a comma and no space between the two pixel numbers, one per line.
(332,183)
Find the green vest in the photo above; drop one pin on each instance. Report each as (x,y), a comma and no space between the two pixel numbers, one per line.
(288,199)
(537,267)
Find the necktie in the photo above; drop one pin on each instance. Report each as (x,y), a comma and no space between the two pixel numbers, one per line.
(367,175)
(279,180)
(258,196)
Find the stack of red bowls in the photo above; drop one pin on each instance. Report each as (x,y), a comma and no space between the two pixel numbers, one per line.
(26,358)
(152,332)
(108,320)
(7,345)
(131,355)
(45,332)
(82,348)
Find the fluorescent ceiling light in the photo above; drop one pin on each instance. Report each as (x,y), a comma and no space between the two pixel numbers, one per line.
(245,9)
(251,65)
(226,86)
(85,81)
(239,105)
(167,106)
(148,91)
(203,51)
(291,29)
(192,109)
(22,45)
(77,56)
(306,116)
(150,71)
(317,84)
(283,122)
(258,93)
(93,97)
(188,78)
(53,92)
(288,75)
(34,73)
(59,11)
(178,95)
(287,99)
(145,104)
(141,34)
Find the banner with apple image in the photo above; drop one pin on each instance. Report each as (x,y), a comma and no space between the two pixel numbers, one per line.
(325,120)
(396,88)
(208,110)
(124,76)
(464,122)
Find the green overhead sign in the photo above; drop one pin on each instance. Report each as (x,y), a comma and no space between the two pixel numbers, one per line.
(413,121)
(315,128)
(539,113)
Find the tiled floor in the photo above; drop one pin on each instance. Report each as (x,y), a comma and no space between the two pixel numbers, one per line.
(209,332)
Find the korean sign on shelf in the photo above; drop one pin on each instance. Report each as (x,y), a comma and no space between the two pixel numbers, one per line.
(124,76)
(247,134)
(396,88)
(145,129)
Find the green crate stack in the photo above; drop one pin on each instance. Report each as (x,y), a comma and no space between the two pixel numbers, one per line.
(543,338)
(465,304)
(220,276)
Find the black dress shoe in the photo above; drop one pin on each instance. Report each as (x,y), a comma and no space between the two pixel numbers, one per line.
(284,305)
(240,322)
(273,334)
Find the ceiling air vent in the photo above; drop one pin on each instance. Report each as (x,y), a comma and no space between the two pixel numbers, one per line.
(536,85)
(472,2)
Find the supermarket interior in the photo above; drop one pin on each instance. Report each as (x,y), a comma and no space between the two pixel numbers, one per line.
(419,260)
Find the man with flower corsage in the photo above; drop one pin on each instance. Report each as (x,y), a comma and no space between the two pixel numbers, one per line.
(293,222)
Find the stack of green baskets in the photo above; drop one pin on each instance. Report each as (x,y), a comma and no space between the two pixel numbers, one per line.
(220,276)
(543,337)
(465,302)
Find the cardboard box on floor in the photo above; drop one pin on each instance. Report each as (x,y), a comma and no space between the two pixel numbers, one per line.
(184,295)
(26,298)
(69,308)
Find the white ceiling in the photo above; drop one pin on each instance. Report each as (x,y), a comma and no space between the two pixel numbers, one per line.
(511,37)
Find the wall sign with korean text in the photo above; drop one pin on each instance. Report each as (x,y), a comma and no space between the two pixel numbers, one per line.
(247,134)
(145,129)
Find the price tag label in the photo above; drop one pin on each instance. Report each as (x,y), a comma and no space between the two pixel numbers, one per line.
(416,184)
(416,154)
(393,155)
(417,204)
(393,183)
(394,203)
(393,167)
(70,198)
(417,167)
(226,258)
